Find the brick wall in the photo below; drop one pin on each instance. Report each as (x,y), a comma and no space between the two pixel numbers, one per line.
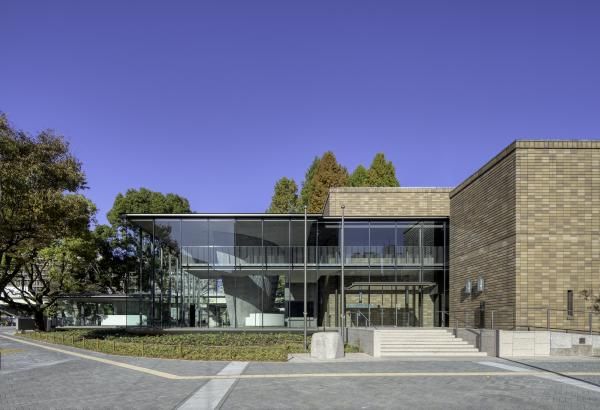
(388,201)
(482,242)
(558,229)
(528,222)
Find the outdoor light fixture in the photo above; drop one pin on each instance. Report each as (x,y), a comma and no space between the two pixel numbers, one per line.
(480,284)
(468,287)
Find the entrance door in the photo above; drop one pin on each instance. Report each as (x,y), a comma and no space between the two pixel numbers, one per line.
(381,305)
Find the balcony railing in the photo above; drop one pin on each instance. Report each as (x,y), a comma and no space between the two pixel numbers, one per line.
(321,255)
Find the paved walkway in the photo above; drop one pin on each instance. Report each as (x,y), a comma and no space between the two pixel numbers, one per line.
(39,375)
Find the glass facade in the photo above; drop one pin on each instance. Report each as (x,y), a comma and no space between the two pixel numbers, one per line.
(247,272)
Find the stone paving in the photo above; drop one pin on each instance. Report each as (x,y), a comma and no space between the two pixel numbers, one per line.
(34,377)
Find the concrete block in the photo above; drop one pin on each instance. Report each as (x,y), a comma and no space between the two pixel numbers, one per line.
(560,340)
(326,345)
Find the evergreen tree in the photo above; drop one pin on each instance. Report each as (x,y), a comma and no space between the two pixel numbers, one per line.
(382,173)
(328,174)
(359,177)
(285,197)
(308,183)
(147,201)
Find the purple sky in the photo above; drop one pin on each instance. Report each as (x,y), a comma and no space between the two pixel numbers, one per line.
(215,100)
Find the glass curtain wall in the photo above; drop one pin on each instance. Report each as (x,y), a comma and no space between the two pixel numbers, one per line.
(244,272)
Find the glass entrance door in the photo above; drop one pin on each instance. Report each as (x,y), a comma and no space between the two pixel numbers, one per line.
(385,305)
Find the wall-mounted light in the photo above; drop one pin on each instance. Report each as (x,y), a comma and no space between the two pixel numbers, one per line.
(480,284)
(468,287)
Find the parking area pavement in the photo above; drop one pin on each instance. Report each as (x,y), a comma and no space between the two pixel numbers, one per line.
(35,378)
(38,375)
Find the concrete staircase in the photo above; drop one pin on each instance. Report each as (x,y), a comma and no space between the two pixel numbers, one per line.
(406,342)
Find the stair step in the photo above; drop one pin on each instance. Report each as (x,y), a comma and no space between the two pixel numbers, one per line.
(424,344)
(428,347)
(405,342)
(437,354)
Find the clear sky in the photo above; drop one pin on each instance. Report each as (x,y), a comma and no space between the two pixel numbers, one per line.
(215,100)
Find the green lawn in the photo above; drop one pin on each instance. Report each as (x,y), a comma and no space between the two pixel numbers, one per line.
(193,346)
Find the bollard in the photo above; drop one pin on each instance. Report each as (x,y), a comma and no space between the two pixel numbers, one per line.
(142,349)
(113,344)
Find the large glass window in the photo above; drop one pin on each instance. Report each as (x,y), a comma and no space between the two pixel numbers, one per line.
(408,240)
(194,239)
(297,241)
(433,243)
(356,243)
(329,242)
(222,241)
(276,241)
(383,241)
(248,242)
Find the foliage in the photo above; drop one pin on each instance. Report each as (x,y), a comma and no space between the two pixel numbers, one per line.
(53,271)
(382,173)
(146,201)
(359,177)
(324,173)
(39,204)
(205,346)
(328,174)
(308,183)
(285,197)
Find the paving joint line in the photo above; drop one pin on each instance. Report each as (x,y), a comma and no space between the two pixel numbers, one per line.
(172,376)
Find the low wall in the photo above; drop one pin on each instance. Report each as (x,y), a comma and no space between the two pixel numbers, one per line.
(486,340)
(364,339)
(547,343)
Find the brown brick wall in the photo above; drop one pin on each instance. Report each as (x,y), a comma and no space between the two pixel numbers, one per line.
(558,229)
(482,243)
(529,223)
(389,202)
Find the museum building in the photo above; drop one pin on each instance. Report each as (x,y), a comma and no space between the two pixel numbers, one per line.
(515,245)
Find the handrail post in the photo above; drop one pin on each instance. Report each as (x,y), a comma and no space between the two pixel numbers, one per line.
(590,320)
(492,320)
(547,319)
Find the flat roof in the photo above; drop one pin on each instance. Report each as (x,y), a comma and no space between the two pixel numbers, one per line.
(262,215)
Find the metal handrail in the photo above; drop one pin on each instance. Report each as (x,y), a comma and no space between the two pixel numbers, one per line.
(367,321)
(222,255)
(528,318)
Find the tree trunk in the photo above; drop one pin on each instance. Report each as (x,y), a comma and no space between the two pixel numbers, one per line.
(40,322)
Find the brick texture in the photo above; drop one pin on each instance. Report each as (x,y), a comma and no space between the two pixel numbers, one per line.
(389,202)
(528,222)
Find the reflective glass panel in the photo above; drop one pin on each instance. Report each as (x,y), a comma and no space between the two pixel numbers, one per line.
(383,241)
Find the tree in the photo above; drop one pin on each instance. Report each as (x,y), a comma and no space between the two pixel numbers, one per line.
(382,173)
(308,183)
(328,174)
(36,174)
(117,256)
(118,245)
(285,197)
(146,201)
(359,177)
(52,272)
